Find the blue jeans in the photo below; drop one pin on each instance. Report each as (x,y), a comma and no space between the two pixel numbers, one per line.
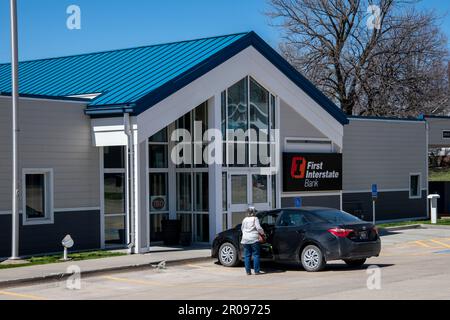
(249,250)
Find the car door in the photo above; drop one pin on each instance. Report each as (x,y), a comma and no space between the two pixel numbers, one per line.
(289,233)
(268,222)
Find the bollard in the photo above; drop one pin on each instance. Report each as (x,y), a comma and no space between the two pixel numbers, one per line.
(433,207)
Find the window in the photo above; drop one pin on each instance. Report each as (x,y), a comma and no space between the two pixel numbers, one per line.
(114,186)
(184,201)
(114,196)
(332,216)
(114,157)
(259,186)
(158,182)
(201,192)
(239,189)
(37,196)
(158,192)
(414,186)
(292,219)
(248,117)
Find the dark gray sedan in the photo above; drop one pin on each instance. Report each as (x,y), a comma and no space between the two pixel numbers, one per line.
(307,236)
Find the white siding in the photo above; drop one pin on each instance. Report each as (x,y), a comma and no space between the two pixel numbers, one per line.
(53,134)
(383,152)
(293,125)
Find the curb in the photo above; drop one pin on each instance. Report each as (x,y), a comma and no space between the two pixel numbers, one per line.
(91,273)
(435,226)
(407,227)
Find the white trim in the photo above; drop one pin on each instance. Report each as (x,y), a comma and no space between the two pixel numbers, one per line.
(419,196)
(248,62)
(102,198)
(380,190)
(310,194)
(48,194)
(388,120)
(59,210)
(63,210)
(85,103)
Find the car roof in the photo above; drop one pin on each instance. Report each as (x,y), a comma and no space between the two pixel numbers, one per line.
(307,209)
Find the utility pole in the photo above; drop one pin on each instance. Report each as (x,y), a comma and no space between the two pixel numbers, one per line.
(15,129)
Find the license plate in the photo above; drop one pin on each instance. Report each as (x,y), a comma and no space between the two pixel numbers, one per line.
(364,235)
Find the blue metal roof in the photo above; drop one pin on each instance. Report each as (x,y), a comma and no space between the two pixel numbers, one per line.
(135,79)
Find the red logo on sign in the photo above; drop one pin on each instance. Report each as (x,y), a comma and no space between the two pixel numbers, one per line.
(298,168)
(158,204)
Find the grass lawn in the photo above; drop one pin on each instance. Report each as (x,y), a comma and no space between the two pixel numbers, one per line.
(437,174)
(442,222)
(56,258)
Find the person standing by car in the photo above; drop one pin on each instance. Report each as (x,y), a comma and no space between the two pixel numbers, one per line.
(252,234)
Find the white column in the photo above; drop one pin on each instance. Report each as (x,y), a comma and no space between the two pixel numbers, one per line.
(141,198)
(215,172)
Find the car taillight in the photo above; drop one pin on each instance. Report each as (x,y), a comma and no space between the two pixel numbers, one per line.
(340,233)
(377,232)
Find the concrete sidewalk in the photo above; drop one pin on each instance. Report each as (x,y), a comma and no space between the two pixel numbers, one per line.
(59,271)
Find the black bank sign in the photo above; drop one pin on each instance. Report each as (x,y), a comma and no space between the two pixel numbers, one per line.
(312,172)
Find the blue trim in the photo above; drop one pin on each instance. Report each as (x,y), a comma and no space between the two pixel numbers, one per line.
(250,39)
(435,117)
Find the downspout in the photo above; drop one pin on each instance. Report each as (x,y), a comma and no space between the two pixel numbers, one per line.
(131,178)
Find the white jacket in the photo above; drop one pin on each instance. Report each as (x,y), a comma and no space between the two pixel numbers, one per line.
(251,230)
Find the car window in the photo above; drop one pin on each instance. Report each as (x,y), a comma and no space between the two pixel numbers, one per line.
(293,219)
(334,216)
(269,218)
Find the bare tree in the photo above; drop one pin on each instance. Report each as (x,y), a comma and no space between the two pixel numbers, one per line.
(371,57)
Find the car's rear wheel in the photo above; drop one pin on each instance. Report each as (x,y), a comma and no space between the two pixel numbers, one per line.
(228,255)
(355,263)
(312,259)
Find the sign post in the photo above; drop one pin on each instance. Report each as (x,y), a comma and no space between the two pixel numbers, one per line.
(374,200)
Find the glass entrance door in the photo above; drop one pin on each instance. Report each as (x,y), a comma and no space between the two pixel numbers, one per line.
(245,190)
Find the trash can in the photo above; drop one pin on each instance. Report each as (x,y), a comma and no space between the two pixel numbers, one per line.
(171,232)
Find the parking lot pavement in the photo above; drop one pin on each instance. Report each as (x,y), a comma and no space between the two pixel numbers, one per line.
(414,265)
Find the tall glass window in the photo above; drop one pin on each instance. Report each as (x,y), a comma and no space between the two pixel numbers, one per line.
(201,193)
(238,106)
(250,109)
(158,183)
(184,194)
(114,188)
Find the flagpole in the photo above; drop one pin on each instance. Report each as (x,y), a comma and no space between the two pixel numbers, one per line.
(15,104)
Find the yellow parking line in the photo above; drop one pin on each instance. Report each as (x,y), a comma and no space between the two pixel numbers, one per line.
(422,244)
(440,243)
(21,295)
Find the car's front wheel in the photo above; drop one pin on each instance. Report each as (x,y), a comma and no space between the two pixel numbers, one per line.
(312,259)
(355,263)
(228,255)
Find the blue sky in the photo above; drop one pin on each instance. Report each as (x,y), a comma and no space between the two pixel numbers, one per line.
(111,24)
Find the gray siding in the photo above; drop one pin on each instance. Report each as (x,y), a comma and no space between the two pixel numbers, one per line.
(385,153)
(436,128)
(84,227)
(293,124)
(55,135)
(319,201)
(389,206)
